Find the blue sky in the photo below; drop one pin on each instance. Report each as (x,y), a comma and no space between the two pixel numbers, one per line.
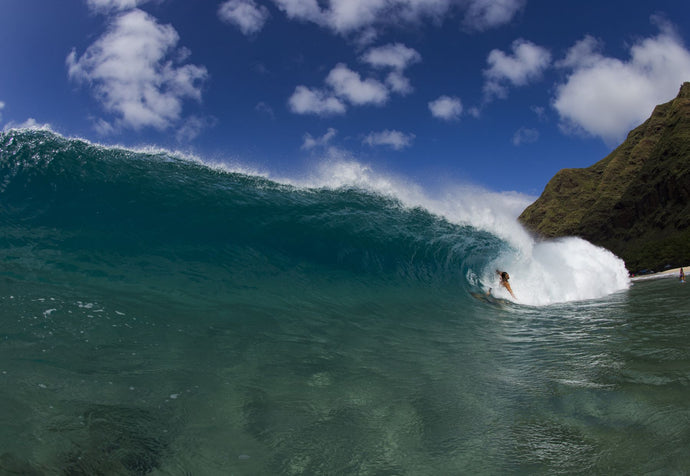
(497,93)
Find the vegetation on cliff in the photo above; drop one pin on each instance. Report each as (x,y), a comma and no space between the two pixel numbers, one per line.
(634,202)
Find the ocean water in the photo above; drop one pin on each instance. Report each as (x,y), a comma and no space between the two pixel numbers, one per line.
(160,315)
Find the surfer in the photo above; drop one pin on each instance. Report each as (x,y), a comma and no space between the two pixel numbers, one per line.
(504,281)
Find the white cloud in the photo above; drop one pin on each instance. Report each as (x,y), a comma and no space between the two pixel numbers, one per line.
(343,84)
(540,112)
(397,57)
(312,142)
(606,97)
(398,83)
(244,14)
(264,108)
(485,14)
(525,135)
(106,6)
(394,55)
(348,15)
(133,72)
(315,101)
(582,54)
(349,85)
(363,16)
(306,10)
(394,139)
(103,127)
(30,123)
(2,106)
(446,108)
(192,127)
(527,63)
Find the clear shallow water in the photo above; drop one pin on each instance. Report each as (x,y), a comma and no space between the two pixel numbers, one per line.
(391,383)
(210,323)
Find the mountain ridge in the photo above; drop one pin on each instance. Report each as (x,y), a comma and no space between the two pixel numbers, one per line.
(635,201)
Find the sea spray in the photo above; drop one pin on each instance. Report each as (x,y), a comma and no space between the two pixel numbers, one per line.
(561,270)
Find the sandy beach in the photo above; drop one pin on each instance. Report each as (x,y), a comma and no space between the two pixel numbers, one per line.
(669,273)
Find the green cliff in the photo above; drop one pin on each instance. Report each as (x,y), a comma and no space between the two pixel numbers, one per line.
(634,202)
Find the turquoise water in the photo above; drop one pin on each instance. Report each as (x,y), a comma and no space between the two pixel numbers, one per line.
(163,317)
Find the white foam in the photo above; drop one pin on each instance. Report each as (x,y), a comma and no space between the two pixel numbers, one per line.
(567,269)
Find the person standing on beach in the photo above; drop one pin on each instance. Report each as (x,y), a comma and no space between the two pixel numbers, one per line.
(682,276)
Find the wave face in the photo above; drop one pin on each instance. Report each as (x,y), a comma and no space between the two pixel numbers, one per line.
(72,210)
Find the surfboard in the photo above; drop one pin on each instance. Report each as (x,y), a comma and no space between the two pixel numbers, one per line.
(489,299)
